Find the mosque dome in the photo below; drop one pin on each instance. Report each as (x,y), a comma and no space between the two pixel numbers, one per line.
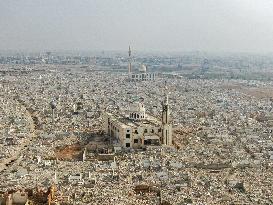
(143,69)
(137,110)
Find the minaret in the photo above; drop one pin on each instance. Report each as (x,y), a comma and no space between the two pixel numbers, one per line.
(130,61)
(166,125)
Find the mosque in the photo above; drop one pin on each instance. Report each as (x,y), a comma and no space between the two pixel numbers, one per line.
(137,129)
(141,74)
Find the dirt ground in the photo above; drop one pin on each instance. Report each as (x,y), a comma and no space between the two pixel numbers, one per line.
(68,152)
(258,92)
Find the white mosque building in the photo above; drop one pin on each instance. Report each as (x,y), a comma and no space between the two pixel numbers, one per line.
(141,74)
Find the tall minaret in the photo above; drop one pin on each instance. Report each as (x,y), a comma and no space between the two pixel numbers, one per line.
(166,125)
(130,61)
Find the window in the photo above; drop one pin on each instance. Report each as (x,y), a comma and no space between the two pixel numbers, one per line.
(145,131)
(159,130)
(152,131)
(127,136)
(128,130)
(135,141)
(136,132)
(127,144)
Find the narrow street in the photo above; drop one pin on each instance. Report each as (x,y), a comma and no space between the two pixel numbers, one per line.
(15,159)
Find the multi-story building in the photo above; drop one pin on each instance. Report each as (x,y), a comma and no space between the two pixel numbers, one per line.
(137,129)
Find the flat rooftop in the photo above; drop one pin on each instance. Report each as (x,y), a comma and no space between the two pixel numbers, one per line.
(125,121)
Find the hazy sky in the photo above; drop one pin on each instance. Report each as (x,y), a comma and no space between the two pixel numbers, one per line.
(161,25)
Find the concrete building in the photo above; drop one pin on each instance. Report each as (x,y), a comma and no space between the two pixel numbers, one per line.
(142,76)
(137,129)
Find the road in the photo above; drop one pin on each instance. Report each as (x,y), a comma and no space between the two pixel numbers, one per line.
(16,158)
